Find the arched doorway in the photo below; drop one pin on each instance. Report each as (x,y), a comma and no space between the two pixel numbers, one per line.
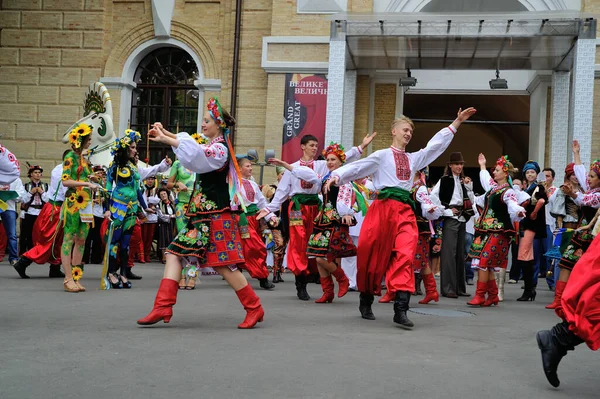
(165,93)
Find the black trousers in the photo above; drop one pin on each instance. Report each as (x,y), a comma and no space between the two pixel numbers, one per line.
(94,249)
(26,237)
(452,269)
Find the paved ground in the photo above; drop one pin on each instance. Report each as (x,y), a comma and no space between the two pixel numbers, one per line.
(61,345)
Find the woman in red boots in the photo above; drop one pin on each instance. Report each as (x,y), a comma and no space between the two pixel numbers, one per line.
(211,234)
(425,212)
(494,230)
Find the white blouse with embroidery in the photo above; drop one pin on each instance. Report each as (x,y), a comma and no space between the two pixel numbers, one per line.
(427,205)
(509,197)
(591,197)
(392,167)
(201,158)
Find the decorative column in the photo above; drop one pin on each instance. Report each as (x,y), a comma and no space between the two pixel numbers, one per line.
(559,136)
(582,96)
(349,109)
(336,77)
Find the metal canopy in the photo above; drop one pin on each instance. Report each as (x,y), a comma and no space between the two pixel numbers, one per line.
(525,40)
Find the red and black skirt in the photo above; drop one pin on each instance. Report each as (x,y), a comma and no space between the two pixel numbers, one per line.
(579,244)
(490,250)
(331,241)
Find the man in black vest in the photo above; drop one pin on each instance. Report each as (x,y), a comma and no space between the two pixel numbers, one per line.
(32,203)
(451,192)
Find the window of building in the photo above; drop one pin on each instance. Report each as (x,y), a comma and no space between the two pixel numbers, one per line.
(165,93)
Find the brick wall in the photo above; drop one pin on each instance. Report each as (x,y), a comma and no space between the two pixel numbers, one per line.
(385,111)
(361,114)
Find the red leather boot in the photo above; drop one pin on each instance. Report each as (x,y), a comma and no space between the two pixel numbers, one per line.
(163,304)
(560,287)
(327,286)
(479,298)
(492,289)
(251,302)
(388,297)
(431,293)
(343,282)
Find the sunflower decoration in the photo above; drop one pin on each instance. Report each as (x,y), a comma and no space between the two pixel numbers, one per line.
(77,272)
(131,136)
(82,198)
(200,138)
(78,133)
(67,163)
(65,176)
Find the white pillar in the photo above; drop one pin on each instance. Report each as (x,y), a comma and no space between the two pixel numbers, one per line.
(399,102)
(559,147)
(349,109)
(336,77)
(582,96)
(537,118)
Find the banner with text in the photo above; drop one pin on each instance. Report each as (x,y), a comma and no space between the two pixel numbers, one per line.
(305,108)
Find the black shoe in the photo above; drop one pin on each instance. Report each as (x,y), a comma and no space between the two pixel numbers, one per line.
(277,277)
(464,294)
(54,272)
(126,284)
(418,279)
(301,288)
(130,276)
(366,300)
(527,296)
(266,284)
(400,308)
(118,285)
(450,295)
(469,281)
(554,345)
(21,265)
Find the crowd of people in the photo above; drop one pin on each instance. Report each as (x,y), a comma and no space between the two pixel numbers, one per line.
(370,223)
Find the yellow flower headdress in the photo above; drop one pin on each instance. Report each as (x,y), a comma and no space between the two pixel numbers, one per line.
(131,136)
(78,133)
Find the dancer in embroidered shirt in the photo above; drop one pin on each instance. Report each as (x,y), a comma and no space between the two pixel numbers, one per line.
(389,235)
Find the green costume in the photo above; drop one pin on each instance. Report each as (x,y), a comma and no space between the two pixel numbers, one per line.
(187,177)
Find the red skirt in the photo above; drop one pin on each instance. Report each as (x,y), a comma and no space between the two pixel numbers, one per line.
(255,251)
(222,247)
(386,247)
(47,236)
(422,254)
(490,250)
(301,226)
(580,302)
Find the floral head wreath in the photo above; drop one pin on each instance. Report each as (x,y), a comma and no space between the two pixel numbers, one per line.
(200,138)
(595,167)
(216,112)
(335,149)
(78,133)
(504,163)
(131,136)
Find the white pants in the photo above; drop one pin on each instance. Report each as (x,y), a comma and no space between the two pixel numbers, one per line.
(349,266)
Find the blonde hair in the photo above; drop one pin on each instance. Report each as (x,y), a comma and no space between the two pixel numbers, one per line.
(403,119)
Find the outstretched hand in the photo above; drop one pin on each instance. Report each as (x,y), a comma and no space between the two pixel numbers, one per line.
(481,160)
(279,162)
(576,147)
(262,214)
(156,134)
(332,180)
(466,114)
(367,140)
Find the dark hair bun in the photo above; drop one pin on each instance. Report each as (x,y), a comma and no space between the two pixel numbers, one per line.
(229,120)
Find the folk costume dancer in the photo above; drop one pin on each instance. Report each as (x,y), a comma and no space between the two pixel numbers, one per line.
(126,201)
(304,206)
(494,230)
(251,229)
(32,204)
(581,238)
(388,238)
(426,211)
(47,231)
(76,211)
(280,233)
(212,234)
(9,167)
(149,226)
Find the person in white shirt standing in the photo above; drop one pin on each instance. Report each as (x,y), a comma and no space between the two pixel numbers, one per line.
(454,195)
(31,205)
(10,194)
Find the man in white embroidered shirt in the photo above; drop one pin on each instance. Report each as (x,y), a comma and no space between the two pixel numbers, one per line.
(452,193)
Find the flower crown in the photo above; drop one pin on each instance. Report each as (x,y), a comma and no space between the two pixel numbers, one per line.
(214,108)
(131,136)
(78,133)
(503,162)
(595,167)
(335,149)
(200,138)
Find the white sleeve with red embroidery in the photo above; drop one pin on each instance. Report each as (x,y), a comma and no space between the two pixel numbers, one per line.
(512,202)
(261,200)
(486,180)
(200,158)
(589,199)
(435,147)
(353,154)
(307,174)
(430,210)
(581,174)
(358,169)
(9,166)
(344,200)
(153,170)
(282,192)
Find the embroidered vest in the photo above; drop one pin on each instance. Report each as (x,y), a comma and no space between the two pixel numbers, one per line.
(494,215)
(211,192)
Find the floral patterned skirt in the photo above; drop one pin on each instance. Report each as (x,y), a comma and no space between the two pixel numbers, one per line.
(422,255)
(331,241)
(578,245)
(489,250)
(213,239)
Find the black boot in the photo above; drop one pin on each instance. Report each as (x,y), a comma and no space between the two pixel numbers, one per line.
(301,288)
(21,265)
(418,280)
(554,345)
(366,300)
(125,269)
(279,279)
(400,308)
(130,276)
(529,291)
(54,272)
(266,284)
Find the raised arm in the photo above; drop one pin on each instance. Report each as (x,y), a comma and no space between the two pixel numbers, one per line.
(355,152)
(154,170)
(357,170)
(281,194)
(516,211)
(430,210)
